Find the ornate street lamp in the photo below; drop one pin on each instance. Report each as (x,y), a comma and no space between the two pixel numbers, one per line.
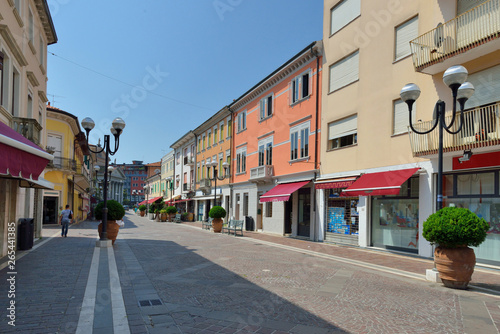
(116,130)
(454,77)
(213,164)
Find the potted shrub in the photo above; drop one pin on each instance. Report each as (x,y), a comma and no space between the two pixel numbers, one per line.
(163,215)
(151,212)
(453,230)
(217,213)
(115,212)
(142,210)
(185,216)
(171,211)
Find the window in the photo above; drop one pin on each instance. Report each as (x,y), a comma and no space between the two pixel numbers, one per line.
(241,160)
(203,143)
(30,106)
(221,132)
(209,141)
(266,107)
(487,85)
(229,128)
(245,204)
(404,34)
(343,132)
(269,209)
(178,158)
(31,27)
(299,141)
(344,72)
(220,169)
(15,93)
(215,136)
(242,121)
(343,13)
(198,173)
(299,87)
(266,151)
(199,145)
(400,117)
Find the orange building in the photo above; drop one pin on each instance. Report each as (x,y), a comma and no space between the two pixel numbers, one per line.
(275,152)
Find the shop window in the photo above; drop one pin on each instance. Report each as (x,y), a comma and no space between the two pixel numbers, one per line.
(269,209)
(342,214)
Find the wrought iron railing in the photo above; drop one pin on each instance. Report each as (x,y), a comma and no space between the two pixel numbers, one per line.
(466,31)
(62,163)
(481,128)
(28,127)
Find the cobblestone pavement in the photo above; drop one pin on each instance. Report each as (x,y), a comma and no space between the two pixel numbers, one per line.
(177,278)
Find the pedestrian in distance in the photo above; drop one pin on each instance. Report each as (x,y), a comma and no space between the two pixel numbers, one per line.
(64,220)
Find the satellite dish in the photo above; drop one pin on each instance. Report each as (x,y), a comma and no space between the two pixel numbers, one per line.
(439,35)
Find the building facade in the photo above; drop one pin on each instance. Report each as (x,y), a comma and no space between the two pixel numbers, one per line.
(275,149)
(213,145)
(378,178)
(135,180)
(184,172)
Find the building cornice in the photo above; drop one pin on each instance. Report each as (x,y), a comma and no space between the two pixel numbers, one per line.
(11,43)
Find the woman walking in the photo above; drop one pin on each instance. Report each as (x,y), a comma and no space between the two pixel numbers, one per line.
(64,219)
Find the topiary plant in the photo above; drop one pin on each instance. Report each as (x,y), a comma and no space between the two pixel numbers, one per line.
(115,210)
(171,210)
(451,227)
(142,207)
(217,212)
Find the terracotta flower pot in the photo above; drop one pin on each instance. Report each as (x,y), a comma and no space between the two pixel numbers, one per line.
(163,217)
(217,225)
(111,229)
(143,213)
(455,265)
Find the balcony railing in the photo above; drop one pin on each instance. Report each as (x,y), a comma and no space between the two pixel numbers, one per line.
(261,173)
(28,127)
(465,32)
(62,163)
(188,161)
(81,170)
(186,187)
(205,184)
(481,128)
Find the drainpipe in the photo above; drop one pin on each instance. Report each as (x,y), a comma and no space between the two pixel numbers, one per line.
(316,145)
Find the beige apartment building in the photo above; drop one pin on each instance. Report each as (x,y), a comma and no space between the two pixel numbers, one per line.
(378,178)
(26,29)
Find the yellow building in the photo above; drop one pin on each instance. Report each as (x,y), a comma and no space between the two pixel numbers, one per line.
(70,169)
(372,50)
(26,29)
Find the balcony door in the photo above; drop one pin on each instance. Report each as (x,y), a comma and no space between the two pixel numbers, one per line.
(55,142)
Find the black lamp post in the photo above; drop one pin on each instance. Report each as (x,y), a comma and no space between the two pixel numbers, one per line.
(454,77)
(116,130)
(213,164)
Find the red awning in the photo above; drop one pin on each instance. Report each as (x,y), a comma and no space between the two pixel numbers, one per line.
(335,183)
(141,203)
(282,192)
(154,199)
(382,183)
(20,157)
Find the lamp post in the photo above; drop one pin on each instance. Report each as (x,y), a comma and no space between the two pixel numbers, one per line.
(454,77)
(110,171)
(117,128)
(213,164)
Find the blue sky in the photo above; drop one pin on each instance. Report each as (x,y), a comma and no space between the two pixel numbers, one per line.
(166,66)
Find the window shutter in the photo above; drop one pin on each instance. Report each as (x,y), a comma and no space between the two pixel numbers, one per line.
(400,117)
(487,86)
(344,72)
(465,5)
(344,127)
(404,34)
(344,13)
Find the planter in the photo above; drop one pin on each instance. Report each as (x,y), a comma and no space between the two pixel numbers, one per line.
(163,217)
(111,229)
(455,265)
(143,213)
(217,225)
(152,216)
(157,217)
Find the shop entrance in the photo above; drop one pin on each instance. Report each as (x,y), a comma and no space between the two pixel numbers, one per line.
(304,213)
(50,205)
(288,217)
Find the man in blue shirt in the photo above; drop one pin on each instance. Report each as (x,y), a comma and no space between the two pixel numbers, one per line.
(65,219)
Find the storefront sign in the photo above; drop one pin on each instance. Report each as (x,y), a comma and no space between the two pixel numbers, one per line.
(482,160)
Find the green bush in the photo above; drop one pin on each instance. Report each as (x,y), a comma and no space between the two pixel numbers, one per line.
(217,212)
(142,207)
(451,227)
(115,210)
(163,211)
(171,210)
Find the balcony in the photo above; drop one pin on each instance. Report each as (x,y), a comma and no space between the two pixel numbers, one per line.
(187,187)
(262,174)
(62,164)
(82,176)
(189,161)
(205,184)
(28,127)
(471,35)
(481,129)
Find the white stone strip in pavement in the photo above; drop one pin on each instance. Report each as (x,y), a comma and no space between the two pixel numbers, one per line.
(86,321)
(120,321)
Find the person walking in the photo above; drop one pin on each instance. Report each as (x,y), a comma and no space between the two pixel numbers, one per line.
(64,219)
